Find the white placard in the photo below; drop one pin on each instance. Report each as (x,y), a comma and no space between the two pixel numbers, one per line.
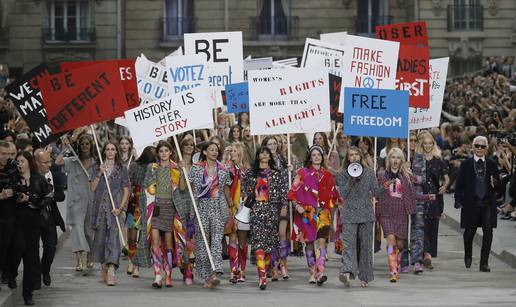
(224,53)
(186,72)
(369,63)
(152,80)
(429,118)
(323,54)
(256,64)
(169,116)
(338,38)
(289,100)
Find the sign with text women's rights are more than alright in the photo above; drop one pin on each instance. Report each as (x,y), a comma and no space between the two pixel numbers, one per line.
(369,63)
(169,116)
(289,100)
(374,112)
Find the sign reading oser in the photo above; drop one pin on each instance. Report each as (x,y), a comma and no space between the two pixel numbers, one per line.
(376,113)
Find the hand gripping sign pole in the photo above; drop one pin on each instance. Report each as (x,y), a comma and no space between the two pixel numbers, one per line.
(289,186)
(206,244)
(108,187)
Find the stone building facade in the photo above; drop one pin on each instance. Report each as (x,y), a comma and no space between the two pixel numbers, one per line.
(32,31)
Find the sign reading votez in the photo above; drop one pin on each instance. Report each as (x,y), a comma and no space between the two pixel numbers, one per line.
(318,53)
(83,96)
(420,118)
(169,116)
(186,72)
(369,63)
(289,100)
(376,113)
(224,53)
(26,96)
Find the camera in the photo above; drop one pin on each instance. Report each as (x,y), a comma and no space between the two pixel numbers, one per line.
(10,179)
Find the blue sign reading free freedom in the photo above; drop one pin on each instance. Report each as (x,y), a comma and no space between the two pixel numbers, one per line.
(376,112)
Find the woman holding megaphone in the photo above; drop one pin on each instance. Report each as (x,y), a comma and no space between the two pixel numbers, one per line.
(357,185)
(264,188)
(315,195)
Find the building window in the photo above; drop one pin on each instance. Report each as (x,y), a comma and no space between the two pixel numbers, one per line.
(69,21)
(371,13)
(178,19)
(465,15)
(273,19)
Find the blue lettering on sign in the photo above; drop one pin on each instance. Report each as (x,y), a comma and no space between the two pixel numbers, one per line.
(237,97)
(376,112)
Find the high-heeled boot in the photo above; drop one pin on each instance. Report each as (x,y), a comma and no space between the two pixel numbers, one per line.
(111,278)
(242,261)
(392,259)
(233,262)
(169,261)
(80,265)
(284,251)
(157,259)
(321,266)
(310,261)
(261,267)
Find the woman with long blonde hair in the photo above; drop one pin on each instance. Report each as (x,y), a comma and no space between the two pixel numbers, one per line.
(395,206)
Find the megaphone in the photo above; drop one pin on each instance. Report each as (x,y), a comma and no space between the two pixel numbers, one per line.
(245,210)
(355,169)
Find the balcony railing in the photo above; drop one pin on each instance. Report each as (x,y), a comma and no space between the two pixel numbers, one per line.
(173,28)
(80,35)
(274,28)
(465,18)
(367,24)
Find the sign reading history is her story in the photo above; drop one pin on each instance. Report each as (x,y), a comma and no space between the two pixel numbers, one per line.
(369,63)
(376,113)
(422,118)
(169,116)
(289,100)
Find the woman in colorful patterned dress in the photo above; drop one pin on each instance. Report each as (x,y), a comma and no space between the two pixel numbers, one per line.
(136,212)
(266,189)
(163,180)
(315,194)
(237,232)
(106,242)
(394,207)
(210,184)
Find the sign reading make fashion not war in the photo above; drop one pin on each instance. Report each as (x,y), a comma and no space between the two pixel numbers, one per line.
(376,113)
(289,100)
(421,118)
(26,96)
(369,63)
(169,116)
(237,97)
(83,96)
(327,55)
(408,33)
(152,80)
(224,53)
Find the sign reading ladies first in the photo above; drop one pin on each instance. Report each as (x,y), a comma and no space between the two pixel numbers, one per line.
(289,100)
(223,52)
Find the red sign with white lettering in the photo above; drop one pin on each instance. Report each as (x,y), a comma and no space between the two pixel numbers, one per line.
(412,75)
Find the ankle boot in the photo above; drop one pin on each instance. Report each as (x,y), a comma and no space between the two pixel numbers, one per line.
(157,259)
(103,272)
(168,269)
(321,266)
(80,265)
(89,261)
(392,260)
(111,278)
(260,266)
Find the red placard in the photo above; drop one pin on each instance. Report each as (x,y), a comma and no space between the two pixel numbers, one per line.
(412,75)
(83,96)
(408,33)
(127,75)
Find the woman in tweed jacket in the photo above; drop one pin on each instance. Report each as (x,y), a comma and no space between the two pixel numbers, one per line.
(358,217)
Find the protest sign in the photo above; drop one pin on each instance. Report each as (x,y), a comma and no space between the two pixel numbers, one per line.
(289,100)
(151,79)
(335,84)
(323,54)
(186,72)
(256,64)
(412,75)
(224,53)
(338,38)
(285,63)
(376,113)
(408,33)
(169,116)
(26,96)
(127,76)
(369,63)
(237,96)
(83,96)
(427,118)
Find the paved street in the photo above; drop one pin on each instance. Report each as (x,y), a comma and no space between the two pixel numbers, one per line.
(450,284)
